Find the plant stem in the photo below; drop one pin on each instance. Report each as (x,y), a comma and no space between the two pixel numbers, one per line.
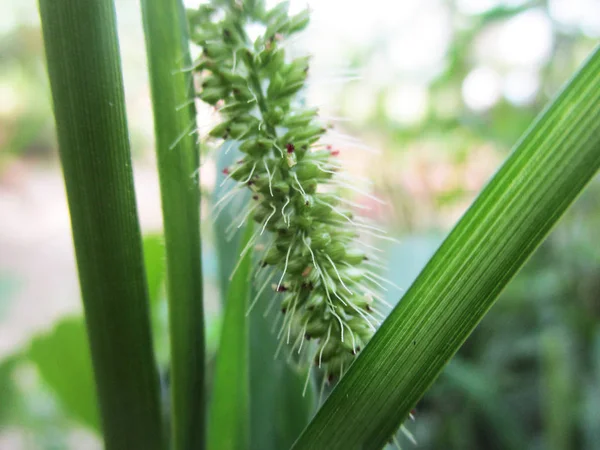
(85,76)
(177,153)
(549,168)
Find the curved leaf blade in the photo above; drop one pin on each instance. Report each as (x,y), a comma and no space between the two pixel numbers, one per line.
(548,169)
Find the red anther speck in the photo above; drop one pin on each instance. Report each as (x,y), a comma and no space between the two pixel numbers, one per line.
(226,170)
(290,148)
(335,153)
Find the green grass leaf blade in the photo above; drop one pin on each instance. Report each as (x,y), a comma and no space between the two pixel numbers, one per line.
(84,68)
(229,407)
(165,31)
(546,172)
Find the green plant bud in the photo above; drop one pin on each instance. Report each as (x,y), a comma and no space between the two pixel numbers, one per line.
(275,61)
(200,14)
(315,301)
(352,274)
(360,301)
(360,328)
(243,94)
(213,95)
(315,328)
(349,345)
(294,81)
(279,10)
(274,116)
(336,250)
(242,171)
(300,119)
(247,58)
(320,240)
(310,186)
(232,36)
(235,108)
(288,90)
(302,222)
(220,131)
(276,85)
(200,64)
(321,156)
(273,256)
(291,159)
(280,188)
(233,78)
(297,65)
(297,265)
(330,283)
(201,34)
(239,129)
(327,350)
(284,243)
(327,198)
(321,210)
(306,170)
(299,22)
(280,25)
(260,215)
(212,81)
(265,52)
(256,147)
(303,134)
(354,256)
(217,51)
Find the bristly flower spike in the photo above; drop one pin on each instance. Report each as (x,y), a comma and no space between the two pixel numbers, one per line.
(294,178)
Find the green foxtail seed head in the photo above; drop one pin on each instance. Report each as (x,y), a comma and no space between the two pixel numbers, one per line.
(327,292)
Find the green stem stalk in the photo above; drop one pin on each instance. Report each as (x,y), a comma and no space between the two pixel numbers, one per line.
(85,76)
(177,153)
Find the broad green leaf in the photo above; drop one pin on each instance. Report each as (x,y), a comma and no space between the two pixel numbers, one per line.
(229,408)
(546,172)
(63,360)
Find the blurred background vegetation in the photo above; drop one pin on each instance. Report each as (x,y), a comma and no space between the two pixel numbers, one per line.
(437,92)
